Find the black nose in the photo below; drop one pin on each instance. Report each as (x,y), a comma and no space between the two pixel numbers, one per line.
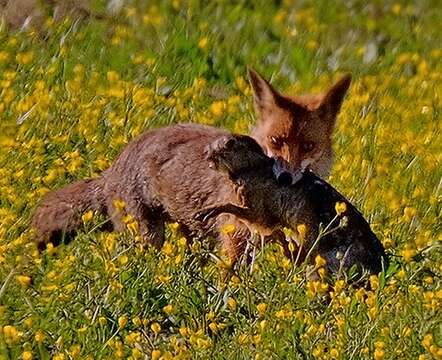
(285,179)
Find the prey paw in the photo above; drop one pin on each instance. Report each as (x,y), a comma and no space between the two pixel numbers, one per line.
(206,214)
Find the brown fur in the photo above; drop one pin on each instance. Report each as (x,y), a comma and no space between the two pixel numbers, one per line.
(267,205)
(161,176)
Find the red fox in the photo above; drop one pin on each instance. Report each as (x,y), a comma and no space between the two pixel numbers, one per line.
(160,176)
(297,130)
(346,240)
(183,173)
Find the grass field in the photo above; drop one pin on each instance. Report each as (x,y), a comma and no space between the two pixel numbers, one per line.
(74,93)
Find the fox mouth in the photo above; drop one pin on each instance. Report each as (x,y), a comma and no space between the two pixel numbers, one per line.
(285,177)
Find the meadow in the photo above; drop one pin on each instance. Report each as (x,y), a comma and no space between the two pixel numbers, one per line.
(73,93)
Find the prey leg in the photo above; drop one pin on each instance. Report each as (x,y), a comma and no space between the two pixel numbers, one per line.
(213,211)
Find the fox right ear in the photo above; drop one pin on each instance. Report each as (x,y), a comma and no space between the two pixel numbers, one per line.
(265,96)
(333,98)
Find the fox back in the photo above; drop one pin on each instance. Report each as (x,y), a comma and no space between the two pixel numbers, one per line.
(163,175)
(297,130)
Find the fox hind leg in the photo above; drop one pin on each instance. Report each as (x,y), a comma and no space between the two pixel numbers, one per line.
(139,219)
(152,231)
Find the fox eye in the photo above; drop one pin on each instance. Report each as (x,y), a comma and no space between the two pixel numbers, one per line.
(307,146)
(276,142)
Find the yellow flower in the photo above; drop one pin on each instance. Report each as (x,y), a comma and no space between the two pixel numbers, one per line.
(302,232)
(11,334)
(102,320)
(374,282)
(203,343)
(210,315)
(132,226)
(231,302)
(87,216)
(39,336)
(23,280)
(123,259)
(408,254)
(168,309)
(218,108)
(378,354)
(427,341)
(122,321)
(292,247)
(409,213)
(202,44)
(182,242)
(263,324)
(136,354)
(27,355)
(319,261)
(155,327)
(396,9)
(112,76)
(407,331)
(119,205)
(25,58)
(243,339)
(82,330)
(168,248)
(213,326)
(155,355)
(334,353)
(184,331)
(136,321)
(228,229)
(322,272)
(340,207)
(261,307)
(50,248)
(288,232)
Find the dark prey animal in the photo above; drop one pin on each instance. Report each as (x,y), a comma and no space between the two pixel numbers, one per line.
(347,240)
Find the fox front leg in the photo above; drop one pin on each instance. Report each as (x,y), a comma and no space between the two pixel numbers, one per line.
(212,211)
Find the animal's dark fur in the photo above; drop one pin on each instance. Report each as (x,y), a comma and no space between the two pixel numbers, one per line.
(310,201)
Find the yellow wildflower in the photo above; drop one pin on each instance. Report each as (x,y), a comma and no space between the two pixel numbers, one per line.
(340,208)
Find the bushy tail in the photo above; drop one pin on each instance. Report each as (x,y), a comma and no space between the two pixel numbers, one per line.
(59,214)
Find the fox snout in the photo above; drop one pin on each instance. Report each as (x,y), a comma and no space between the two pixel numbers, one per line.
(286,174)
(283,176)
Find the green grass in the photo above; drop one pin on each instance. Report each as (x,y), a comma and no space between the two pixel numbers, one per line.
(73,94)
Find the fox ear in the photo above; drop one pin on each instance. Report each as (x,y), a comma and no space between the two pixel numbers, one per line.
(332,101)
(265,96)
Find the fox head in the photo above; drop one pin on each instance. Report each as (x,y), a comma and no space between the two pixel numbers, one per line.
(297,130)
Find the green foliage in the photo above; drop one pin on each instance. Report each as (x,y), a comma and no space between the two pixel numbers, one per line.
(73,93)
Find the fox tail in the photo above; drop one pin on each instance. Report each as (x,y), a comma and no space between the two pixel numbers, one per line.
(59,214)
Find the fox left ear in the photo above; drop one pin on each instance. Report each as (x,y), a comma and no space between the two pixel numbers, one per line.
(265,96)
(332,101)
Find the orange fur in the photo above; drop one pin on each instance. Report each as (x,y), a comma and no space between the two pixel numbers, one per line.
(297,130)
